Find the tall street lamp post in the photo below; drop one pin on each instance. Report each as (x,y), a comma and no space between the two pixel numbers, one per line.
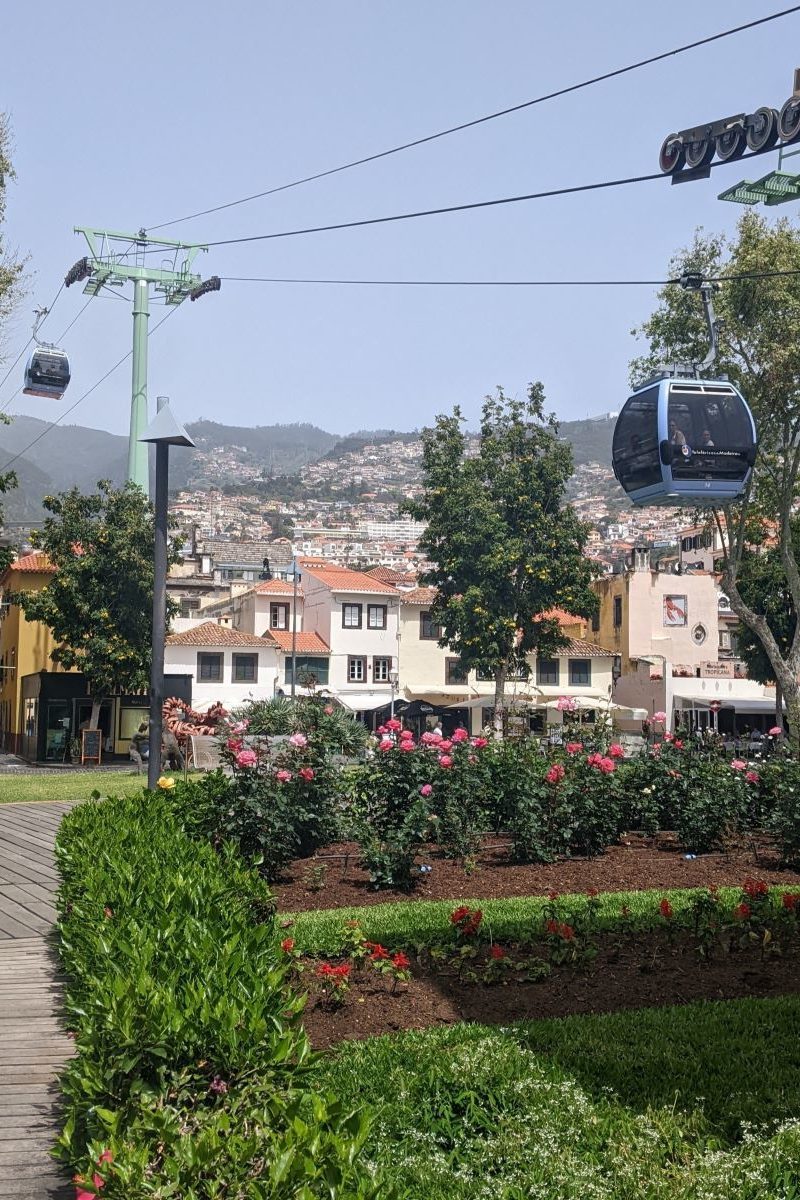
(394,675)
(163,431)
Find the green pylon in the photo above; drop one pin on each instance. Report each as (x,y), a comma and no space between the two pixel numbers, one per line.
(115,259)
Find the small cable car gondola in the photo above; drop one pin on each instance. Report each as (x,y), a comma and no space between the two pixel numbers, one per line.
(682,439)
(47,370)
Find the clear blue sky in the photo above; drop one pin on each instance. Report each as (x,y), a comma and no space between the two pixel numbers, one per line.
(125,116)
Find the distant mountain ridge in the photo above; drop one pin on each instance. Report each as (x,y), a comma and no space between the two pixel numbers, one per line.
(74,455)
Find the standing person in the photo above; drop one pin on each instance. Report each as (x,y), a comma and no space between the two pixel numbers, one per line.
(437,729)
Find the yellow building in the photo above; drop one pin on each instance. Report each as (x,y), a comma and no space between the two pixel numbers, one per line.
(25,648)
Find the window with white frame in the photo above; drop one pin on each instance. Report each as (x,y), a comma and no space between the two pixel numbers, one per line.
(381,667)
(279,616)
(356,669)
(351,616)
(376,616)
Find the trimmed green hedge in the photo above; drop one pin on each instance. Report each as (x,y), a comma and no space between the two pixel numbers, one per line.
(408,923)
(193,1078)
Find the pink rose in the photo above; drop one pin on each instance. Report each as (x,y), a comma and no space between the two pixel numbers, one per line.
(460,735)
(386,744)
(606,765)
(283,776)
(753,777)
(616,751)
(425,790)
(445,760)
(306,773)
(407,744)
(574,747)
(328,710)
(555,774)
(776,731)
(445,745)
(660,717)
(393,724)
(246,758)
(405,735)
(430,738)
(240,727)
(299,740)
(381,729)
(480,742)
(234,745)
(738,764)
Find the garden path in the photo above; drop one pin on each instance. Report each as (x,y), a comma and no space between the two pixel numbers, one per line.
(33,1044)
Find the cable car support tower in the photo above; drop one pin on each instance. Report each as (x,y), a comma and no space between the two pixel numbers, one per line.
(115,259)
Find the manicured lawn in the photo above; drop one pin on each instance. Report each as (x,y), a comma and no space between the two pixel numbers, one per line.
(694,1103)
(71,785)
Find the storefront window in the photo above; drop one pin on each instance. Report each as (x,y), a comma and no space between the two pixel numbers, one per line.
(57,730)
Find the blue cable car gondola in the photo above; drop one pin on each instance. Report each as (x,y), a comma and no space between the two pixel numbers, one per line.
(47,370)
(685,440)
(47,373)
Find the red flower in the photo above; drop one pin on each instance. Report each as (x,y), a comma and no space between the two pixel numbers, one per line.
(551,926)
(742,912)
(479,743)
(752,777)
(678,744)
(790,900)
(105,1156)
(497,952)
(754,888)
(394,724)
(555,774)
(665,909)
(379,953)
(567,933)
(401,961)
(574,747)
(287,945)
(616,751)
(458,914)
(306,773)
(551,895)
(592,892)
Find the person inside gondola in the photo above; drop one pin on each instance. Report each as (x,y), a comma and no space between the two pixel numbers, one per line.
(675,434)
(706,439)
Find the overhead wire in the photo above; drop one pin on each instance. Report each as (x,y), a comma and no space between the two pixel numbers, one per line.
(493,116)
(599,185)
(20,453)
(503,282)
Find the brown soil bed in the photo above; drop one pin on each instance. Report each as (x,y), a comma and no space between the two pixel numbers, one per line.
(633,977)
(637,863)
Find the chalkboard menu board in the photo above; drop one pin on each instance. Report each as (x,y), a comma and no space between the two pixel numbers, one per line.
(91,745)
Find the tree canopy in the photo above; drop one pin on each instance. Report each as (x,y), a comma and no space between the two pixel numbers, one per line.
(504,548)
(99,602)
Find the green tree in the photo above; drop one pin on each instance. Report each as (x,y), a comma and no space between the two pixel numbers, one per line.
(760,351)
(505,548)
(99,602)
(763,586)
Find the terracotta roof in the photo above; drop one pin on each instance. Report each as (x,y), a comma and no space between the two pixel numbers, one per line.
(579,649)
(389,575)
(33,562)
(277,587)
(211,634)
(342,579)
(563,617)
(420,595)
(305,643)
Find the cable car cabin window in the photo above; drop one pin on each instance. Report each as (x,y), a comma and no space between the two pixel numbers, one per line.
(635,452)
(710,435)
(49,368)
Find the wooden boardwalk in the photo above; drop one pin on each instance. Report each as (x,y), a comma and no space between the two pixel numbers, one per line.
(33,1045)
